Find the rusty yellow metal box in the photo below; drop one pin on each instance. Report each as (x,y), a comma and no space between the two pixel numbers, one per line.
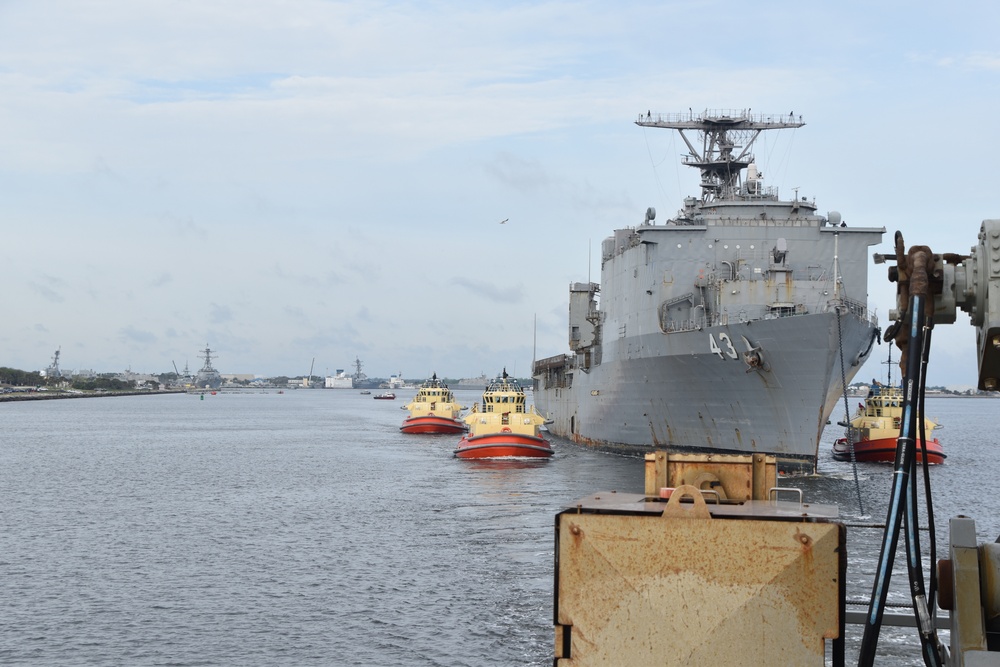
(640,581)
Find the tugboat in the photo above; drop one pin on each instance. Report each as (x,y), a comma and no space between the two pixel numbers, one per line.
(502,425)
(875,428)
(433,410)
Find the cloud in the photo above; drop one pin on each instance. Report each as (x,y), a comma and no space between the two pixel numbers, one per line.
(131,334)
(340,160)
(520,174)
(296,313)
(46,292)
(220,314)
(976,61)
(160,280)
(506,295)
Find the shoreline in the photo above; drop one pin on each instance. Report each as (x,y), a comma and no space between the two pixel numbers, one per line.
(49,396)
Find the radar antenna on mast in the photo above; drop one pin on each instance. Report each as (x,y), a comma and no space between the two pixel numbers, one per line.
(727,137)
(53,369)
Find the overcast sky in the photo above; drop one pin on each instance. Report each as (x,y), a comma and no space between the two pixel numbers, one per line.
(293,180)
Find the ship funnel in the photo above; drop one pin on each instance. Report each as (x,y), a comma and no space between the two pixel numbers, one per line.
(650,215)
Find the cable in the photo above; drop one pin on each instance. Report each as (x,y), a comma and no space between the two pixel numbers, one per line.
(932,593)
(898,502)
(903,497)
(847,414)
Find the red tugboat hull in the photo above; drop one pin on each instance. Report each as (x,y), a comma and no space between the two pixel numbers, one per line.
(432,424)
(883,450)
(500,445)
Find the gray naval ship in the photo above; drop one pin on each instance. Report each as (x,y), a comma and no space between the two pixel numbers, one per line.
(207,377)
(731,328)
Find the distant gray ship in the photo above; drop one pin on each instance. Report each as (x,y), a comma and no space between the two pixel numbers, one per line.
(207,377)
(362,381)
(474,383)
(723,329)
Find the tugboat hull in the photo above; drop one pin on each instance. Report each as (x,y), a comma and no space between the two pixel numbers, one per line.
(499,445)
(432,424)
(883,450)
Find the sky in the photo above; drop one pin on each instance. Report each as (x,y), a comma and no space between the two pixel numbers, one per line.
(299,184)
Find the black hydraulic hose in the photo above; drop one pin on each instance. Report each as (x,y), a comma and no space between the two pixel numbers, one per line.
(923,605)
(921,609)
(898,497)
(932,533)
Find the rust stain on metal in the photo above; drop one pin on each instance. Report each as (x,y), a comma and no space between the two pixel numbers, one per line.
(637,588)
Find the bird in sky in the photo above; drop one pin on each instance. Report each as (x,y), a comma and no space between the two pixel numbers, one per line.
(504,221)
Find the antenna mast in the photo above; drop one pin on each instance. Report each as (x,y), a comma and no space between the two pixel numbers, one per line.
(727,137)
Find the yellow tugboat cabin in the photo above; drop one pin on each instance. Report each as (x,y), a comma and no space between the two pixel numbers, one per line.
(504,409)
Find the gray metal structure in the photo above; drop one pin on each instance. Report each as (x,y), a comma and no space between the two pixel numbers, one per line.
(724,329)
(208,377)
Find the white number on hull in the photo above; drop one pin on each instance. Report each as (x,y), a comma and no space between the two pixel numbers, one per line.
(727,348)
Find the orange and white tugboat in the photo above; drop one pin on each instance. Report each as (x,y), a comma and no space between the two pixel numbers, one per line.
(503,425)
(433,410)
(875,429)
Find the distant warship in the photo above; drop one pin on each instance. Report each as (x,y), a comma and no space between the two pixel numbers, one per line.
(362,381)
(733,327)
(207,377)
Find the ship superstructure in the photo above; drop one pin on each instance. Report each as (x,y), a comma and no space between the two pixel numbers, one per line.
(53,370)
(207,377)
(339,380)
(722,329)
(360,380)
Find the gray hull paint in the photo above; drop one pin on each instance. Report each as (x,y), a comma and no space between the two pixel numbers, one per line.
(722,329)
(682,397)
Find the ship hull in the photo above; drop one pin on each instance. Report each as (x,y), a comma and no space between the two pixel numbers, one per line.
(883,450)
(432,424)
(208,380)
(502,445)
(679,392)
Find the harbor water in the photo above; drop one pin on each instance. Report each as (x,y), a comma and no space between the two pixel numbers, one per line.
(304,529)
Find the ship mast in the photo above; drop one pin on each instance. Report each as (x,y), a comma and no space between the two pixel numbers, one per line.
(207,356)
(53,369)
(723,134)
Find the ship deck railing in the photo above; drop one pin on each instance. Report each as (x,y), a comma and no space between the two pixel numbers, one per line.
(854,307)
(711,114)
(549,363)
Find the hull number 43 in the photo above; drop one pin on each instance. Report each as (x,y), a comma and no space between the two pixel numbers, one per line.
(724,347)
